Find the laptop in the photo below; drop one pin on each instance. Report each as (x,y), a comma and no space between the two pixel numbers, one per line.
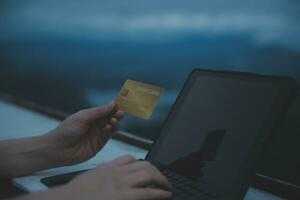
(216,131)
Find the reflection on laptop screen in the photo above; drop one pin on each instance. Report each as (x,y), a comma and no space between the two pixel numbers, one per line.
(216,123)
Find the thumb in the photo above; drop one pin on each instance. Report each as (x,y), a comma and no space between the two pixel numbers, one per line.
(91,115)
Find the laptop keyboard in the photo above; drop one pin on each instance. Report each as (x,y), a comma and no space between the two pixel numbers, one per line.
(184,188)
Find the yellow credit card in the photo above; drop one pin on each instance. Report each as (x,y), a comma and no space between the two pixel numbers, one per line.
(139,99)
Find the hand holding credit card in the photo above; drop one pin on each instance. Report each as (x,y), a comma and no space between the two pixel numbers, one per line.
(138,99)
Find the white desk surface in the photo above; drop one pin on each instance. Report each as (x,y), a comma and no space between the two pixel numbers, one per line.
(17,122)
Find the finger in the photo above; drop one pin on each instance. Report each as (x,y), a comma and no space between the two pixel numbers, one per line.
(114,121)
(108,128)
(105,134)
(108,131)
(103,137)
(136,166)
(150,193)
(115,128)
(119,115)
(123,160)
(93,114)
(144,178)
(114,117)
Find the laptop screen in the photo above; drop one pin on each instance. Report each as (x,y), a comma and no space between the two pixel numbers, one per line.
(217,125)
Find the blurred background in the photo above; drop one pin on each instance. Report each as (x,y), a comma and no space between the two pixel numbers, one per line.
(73,54)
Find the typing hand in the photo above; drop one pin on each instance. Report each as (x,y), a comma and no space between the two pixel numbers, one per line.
(121,179)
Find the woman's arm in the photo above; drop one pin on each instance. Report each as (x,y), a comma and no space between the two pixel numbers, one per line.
(21,157)
(76,139)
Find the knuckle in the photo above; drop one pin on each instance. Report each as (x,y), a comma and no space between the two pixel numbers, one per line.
(99,110)
(81,112)
(147,174)
(129,157)
(146,164)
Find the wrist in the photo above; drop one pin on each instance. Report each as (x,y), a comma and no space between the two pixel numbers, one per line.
(50,151)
